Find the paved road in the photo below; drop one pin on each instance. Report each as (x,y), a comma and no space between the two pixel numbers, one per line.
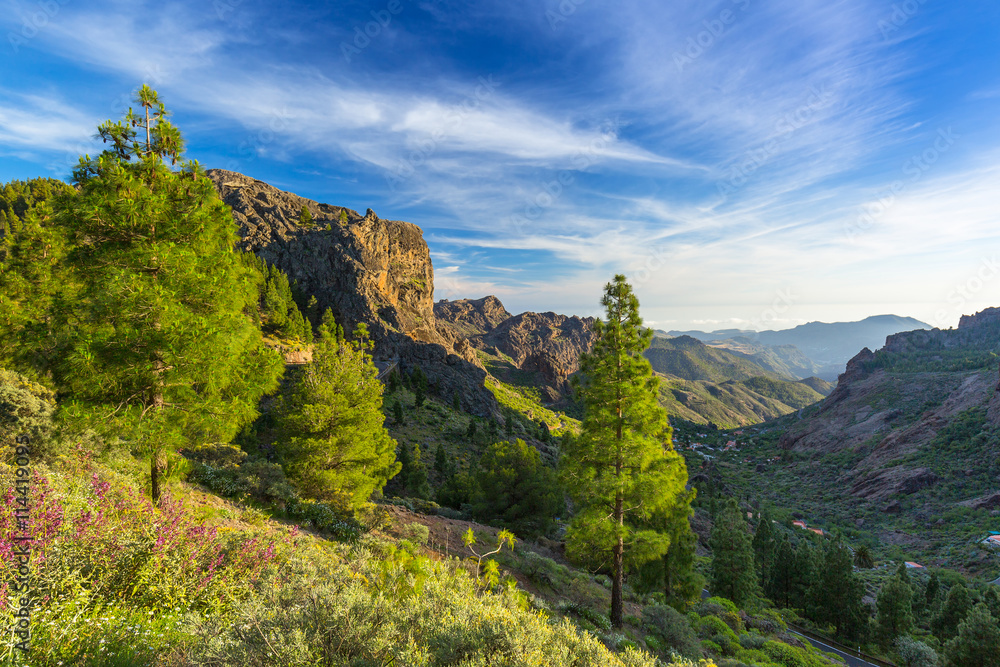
(851,660)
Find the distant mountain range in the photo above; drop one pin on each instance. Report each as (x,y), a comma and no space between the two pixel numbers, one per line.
(817,348)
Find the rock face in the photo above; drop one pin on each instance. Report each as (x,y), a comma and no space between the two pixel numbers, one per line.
(990,501)
(364,269)
(546,344)
(469,317)
(895,481)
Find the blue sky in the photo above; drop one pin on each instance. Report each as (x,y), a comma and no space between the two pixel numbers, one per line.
(745,163)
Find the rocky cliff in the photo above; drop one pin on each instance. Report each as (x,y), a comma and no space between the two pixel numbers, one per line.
(365,269)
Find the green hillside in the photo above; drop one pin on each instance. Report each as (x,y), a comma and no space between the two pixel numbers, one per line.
(792,394)
(727,404)
(705,384)
(688,358)
(819,385)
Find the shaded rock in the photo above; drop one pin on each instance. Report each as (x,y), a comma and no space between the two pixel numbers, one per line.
(988,502)
(893,481)
(469,317)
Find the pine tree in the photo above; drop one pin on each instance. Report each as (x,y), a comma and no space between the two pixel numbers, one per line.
(805,572)
(305,217)
(416,479)
(932,590)
(470,432)
(977,642)
(456,403)
(148,335)
(764,547)
(312,310)
(781,578)
(397,411)
(440,461)
(622,468)
(674,573)
(956,605)
(894,609)
(337,448)
(733,575)
(515,489)
(419,395)
(838,593)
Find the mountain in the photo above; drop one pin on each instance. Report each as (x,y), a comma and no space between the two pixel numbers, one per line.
(366,270)
(537,349)
(827,346)
(538,352)
(690,359)
(785,360)
(907,445)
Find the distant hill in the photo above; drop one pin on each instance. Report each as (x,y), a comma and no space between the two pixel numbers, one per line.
(785,360)
(690,359)
(827,346)
(535,354)
(708,384)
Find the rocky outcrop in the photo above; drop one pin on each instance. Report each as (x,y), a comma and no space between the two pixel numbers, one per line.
(894,481)
(990,501)
(469,317)
(546,344)
(365,269)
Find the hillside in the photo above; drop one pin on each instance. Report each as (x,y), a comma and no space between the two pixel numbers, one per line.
(785,360)
(535,354)
(906,448)
(690,359)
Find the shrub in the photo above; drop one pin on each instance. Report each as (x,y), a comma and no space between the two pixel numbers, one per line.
(913,653)
(672,629)
(109,568)
(340,614)
(417,533)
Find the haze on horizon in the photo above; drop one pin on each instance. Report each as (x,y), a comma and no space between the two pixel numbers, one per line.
(746,164)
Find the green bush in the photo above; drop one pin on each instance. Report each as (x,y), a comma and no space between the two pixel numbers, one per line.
(417,533)
(672,629)
(335,613)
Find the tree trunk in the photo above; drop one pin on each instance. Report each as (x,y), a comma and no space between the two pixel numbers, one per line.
(619,574)
(155,469)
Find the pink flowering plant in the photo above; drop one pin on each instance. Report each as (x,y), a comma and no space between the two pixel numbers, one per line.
(103,551)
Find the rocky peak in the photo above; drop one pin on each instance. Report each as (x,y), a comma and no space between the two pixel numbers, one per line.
(365,269)
(989,317)
(470,317)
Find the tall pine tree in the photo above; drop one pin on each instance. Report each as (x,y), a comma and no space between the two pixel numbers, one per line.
(734,575)
(622,468)
(146,330)
(895,608)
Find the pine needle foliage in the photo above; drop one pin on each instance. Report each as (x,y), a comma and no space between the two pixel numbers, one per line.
(141,302)
(336,447)
(622,468)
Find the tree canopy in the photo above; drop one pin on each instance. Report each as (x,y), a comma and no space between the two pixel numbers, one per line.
(622,468)
(335,444)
